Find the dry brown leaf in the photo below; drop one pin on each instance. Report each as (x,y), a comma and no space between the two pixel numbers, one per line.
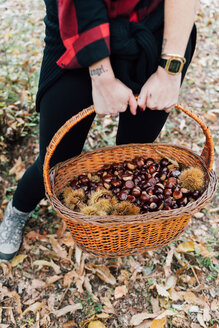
(120,291)
(140,317)
(162,291)
(42,263)
(204,252)
(96,324)
(35,235)
(155,305)
(124,276)
(214,305)
(158,323)
(61,252)
(69,324)
(68,278)
(186,246)
(51,280)
(78,253)
(167,266)
(102,272)
(68,240)
(67,309)
(18,169)
(206,313)
(36,283)
(210,117)
(171,282)
(145,324)
(201,320)
(34,308)
(18,260)
(108,307)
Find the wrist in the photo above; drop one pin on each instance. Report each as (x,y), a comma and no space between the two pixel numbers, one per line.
(101,71)
(164,73)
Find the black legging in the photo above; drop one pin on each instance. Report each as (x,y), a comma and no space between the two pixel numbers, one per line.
(65,98)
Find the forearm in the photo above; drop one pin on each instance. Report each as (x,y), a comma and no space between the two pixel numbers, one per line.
(179,17)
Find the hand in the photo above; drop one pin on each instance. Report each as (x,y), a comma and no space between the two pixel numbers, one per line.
(111,96)
(160,92)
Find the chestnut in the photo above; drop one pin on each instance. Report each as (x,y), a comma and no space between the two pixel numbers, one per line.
(195,194)
(150,191)
(172,180)
(136,191)
(74,184)
(164,162)
(153,199)
(144,197)
(167,192)
(123,194)
(116,183)
(116,190)
(108,178)
(140,162)
(131,166)
(152,168)
(175,173)
(152,207)
(149,161)
(127,176)
(177,194)
(168,202)
(158,190)
(129,184)
(152,181)
(182,201)
(131,198)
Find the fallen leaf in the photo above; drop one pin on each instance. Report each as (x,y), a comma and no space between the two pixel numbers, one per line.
(158,323)
(138,318)
(186,246)
(155,305)
(69,324)
(18,169)
(42,263)
(34,308)
(61,252)
(51,280)
(96,324)
(68,278)
(67,309)
(102,272)
(162,291)
(201,320)
(206,314)
(18,259)
(210,117)
(35,235)
(36,283)
(120,291)
(124,276)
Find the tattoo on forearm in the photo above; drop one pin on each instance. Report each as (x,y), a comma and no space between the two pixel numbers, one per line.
(164,43)
(98,71)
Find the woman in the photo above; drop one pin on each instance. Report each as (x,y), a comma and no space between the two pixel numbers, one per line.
(103,52)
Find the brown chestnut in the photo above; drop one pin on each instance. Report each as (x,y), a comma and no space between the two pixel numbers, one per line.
(167,192)
(129,184)
(177,194)
(144,197)
(136,191)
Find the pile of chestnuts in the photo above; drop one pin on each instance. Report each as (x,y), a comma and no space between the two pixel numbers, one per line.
(147,184)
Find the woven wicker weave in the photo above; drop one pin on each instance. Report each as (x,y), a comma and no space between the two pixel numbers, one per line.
(114,236)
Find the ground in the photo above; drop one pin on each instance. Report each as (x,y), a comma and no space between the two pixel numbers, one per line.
(52,283)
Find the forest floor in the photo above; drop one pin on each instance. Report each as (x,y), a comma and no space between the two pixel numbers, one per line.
(52,283)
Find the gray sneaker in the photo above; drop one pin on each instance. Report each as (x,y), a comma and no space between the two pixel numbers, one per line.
(11,232)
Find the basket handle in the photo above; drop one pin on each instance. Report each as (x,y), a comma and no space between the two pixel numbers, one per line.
(207,153)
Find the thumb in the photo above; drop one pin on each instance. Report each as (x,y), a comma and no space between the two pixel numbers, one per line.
(133,104)
(142,98)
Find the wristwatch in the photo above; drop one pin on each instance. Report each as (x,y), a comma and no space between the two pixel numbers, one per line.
(173,65)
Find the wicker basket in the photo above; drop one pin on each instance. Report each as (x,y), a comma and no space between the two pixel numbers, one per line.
(115,236)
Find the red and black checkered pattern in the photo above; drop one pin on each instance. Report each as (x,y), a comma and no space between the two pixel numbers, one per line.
(85,31)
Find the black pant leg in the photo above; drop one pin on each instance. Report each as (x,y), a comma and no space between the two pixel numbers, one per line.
(65,98)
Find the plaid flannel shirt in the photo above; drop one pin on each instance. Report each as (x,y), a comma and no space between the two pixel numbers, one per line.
(85,30)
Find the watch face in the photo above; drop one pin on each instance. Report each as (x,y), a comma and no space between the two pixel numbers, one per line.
(174,66)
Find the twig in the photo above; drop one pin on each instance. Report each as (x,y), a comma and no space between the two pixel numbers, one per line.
(196,277)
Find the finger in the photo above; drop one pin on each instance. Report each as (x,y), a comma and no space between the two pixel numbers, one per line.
(168,110)
(133,104)
(142,99)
